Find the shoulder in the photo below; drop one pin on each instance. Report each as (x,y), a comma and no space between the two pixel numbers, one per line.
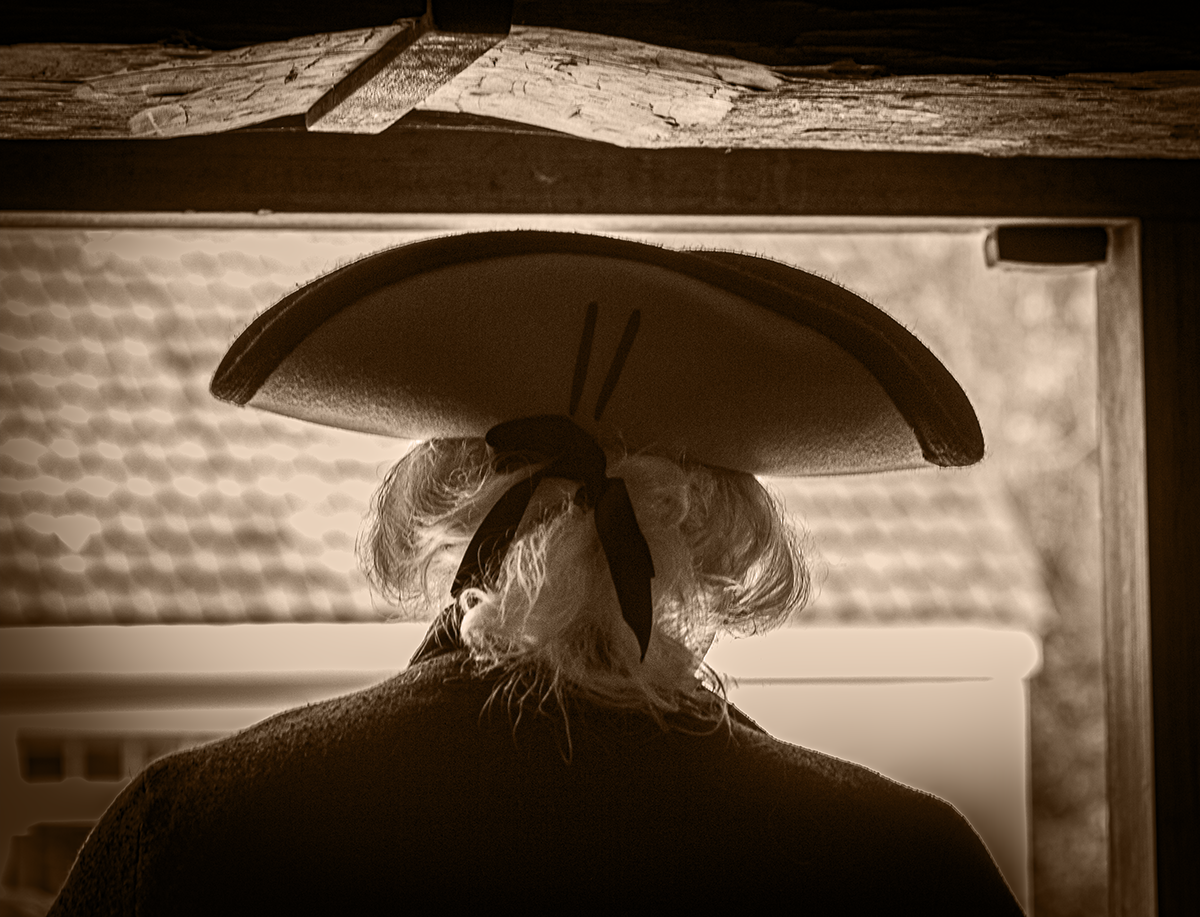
(284,797)
(865,837)
(311,741)
(104,877)
(414,770)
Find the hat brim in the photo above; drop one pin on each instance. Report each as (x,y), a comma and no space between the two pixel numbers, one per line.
(723,358)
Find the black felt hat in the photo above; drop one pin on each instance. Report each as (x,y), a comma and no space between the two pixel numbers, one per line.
(727,359)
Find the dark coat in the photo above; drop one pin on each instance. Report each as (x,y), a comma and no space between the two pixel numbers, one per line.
(412,793)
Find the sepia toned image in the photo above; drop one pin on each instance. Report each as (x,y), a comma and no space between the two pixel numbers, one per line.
(134,498)
(684,454)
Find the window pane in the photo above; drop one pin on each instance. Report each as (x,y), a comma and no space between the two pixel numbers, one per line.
(130,496)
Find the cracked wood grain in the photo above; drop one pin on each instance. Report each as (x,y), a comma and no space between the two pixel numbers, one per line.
(97,91)
(637,95)
(615,90)
(612,89)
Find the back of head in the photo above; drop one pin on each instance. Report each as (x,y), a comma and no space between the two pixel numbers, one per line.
(725,560)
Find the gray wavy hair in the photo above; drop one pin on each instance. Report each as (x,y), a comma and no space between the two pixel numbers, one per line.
(727,560)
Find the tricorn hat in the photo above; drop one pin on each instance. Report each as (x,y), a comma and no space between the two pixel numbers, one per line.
(725,359)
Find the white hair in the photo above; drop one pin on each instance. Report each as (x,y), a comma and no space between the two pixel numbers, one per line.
(726,560)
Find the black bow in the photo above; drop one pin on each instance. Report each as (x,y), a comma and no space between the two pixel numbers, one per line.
(576,456)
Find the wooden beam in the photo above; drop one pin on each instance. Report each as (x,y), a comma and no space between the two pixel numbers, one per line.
(418,168)
(1121,429)
(365,71)
(1170,255)
(639,95)
(623,92)
(157,91)
(394,80)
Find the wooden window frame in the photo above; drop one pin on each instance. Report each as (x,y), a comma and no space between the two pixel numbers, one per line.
(1121,432)
(1148,334)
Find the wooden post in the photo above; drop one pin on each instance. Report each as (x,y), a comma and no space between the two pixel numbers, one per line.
(1121,429)
(1170,255)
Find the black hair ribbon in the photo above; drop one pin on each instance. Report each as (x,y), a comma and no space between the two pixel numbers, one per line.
(574,455)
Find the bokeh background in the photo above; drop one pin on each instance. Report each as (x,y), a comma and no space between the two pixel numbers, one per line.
(129,496)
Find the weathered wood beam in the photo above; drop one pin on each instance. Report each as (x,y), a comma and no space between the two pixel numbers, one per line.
(338,95)
(78,91)
(622,92)
(395,79)
(619,91)
(638,95)
(418,167)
